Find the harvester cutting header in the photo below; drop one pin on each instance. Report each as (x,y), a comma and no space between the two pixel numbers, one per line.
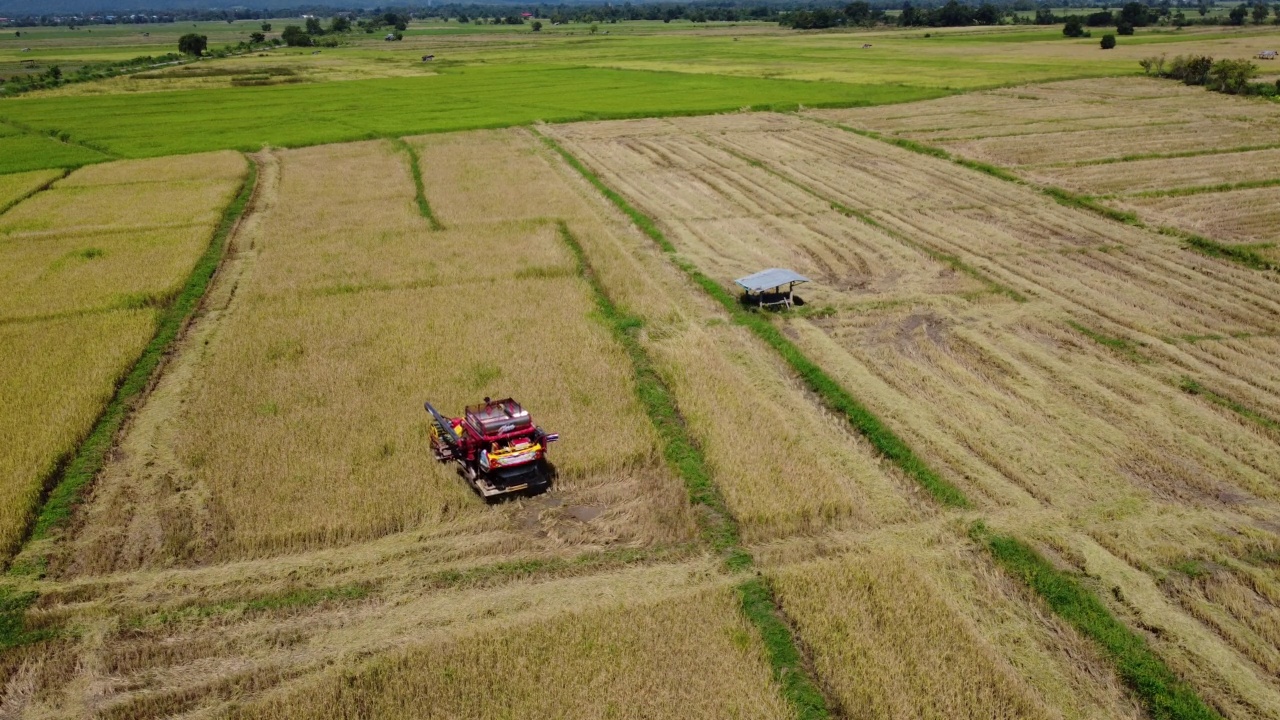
(498,449)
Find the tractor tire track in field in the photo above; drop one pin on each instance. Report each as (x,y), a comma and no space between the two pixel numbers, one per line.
(68,485)
(142,505)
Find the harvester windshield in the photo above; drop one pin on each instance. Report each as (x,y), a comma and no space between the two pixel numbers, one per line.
(499,417)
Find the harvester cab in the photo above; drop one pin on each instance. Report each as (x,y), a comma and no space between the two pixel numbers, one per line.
(498,449)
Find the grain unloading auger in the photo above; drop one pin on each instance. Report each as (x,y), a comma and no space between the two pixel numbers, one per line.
(498,449)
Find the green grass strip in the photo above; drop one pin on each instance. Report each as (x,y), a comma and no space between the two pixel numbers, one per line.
(1162,156)
(13,623)
(1202,189)
(1191,386)
(1164,695)
(1084,202)
(760,607)
(719,528)
(1124,346)
(832,394)
(1242,254)
(415,169)
(89,457)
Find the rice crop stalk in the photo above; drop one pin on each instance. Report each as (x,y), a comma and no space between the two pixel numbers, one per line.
(1192,387)
(1236,253)
(833,395)
(40,188)
(719,528)
(69,487)
(760,605)
(1165,696)
(415,169)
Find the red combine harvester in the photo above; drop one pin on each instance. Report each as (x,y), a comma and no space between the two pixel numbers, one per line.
(498,449)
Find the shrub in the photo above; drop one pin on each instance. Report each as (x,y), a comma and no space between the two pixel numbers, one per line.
(1231,76)
(294,36)
(1108,41)
(1190,69)
(1073,27)
(1124,28)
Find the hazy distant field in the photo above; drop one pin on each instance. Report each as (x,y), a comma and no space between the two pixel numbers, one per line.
(498,76)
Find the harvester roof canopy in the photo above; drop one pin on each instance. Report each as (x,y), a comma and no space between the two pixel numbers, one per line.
(499,417)
(769,279)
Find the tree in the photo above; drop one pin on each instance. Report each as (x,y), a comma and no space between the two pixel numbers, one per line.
(910,16)
(266,27)
(1260,12)
(294,36)
(1203,8)
(1124,28)
(1044,16)
(1073,27)
(192,44)
(313,26)
(987,14)
(1231,76)
(1108,41)
(339,24)
(257,37)
(857,13)
(537,26)
(1238,14)
(1135,13)
(1100,19)
(594,28)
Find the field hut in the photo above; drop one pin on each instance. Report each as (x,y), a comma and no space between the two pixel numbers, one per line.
(1267,55)
(772,288)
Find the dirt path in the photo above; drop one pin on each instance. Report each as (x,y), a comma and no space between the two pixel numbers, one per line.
(145,509)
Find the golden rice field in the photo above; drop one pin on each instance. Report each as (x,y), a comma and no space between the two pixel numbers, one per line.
(84,264)
(16,186)
(271,538)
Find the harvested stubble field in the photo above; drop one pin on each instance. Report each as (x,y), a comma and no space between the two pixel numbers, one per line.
(83,272)
(1214,164)
(1057,397)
